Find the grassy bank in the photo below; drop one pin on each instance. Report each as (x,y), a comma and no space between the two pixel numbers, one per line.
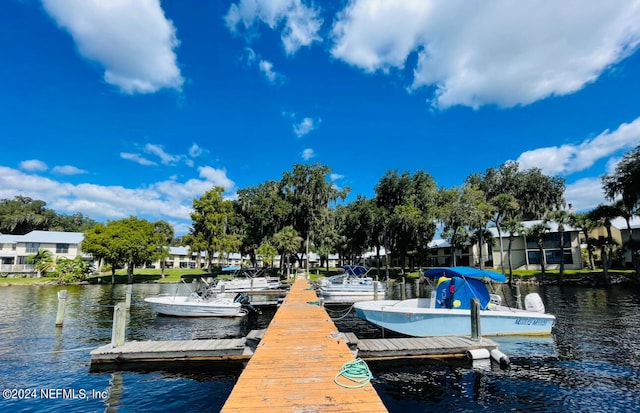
(173,276)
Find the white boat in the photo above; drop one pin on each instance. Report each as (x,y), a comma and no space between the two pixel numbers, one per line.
(201,302)
(448,311)
(351,286)
(244,280)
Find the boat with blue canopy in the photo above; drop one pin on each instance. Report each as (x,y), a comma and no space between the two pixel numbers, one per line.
(448,310)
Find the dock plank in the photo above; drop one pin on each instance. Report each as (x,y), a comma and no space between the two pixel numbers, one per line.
(294,365)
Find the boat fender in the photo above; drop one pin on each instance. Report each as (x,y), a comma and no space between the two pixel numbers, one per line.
(478,354)
(533,302)
(500,358)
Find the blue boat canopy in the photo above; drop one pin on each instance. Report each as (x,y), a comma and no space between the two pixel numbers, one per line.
(357,270)
(465,272)
(231,268)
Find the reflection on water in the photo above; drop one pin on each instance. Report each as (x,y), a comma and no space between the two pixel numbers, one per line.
(589,364)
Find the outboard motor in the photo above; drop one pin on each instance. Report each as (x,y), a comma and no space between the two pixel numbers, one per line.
(245,300)
(533,302)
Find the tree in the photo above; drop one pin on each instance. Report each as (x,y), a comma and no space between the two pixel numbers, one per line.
(309,192)
(164,232)
(287,241)
(538,232)
(561,218)
(603,215)
(460,210)
(97,242)
(505,208)
(22,214)
(584,223)
(130,241)
(43,261)
(71,223)
(211,216)
(625,181)
(267,253)
(264,212)
(513,228)
(403,218)
(535,192)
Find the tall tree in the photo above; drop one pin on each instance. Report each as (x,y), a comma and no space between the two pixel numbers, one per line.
(561,218)
(584,223)
(309,192)
(287,242)
(164,232)
(535,192)
(404,217)
(603,214)
(513,227)
(625,181)
(505,208)
(539,232)
(211,216)
(22,214)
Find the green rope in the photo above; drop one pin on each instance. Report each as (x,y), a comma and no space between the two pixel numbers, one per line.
(357,371)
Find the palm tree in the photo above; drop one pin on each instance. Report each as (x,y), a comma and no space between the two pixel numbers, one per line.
(287,241)
(43,262)
(603,215)
(538,231)
(584,222)
(505,207)
(561,218)
(513,227)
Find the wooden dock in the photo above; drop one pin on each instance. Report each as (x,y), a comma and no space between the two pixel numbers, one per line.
(295,364)
(177,350)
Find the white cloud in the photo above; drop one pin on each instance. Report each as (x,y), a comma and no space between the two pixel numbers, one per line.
(137,158)
(68,170)
(585,194)
(335,177)
(266,68)
(157,150)
(298,24)
(195,151)
(33,165)
(490,52)
(567,159)
(308,154)
(132,40)
(305,126)
(216,177)
(169,200)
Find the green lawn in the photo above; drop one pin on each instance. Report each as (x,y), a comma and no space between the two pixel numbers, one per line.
(173,275)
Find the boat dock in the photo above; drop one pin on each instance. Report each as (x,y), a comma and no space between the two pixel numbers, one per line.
(295,365)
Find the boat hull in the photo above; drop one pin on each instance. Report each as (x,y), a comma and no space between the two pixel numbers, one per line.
(183,306)
(401,318)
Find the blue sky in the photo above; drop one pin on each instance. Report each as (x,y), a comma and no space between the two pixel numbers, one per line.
(136,107)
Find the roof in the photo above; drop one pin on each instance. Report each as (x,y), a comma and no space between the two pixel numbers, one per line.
(553,227)
(45,237)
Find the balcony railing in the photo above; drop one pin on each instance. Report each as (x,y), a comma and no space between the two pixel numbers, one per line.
(17,268)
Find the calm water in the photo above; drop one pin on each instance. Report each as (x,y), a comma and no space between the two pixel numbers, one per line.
(592,362)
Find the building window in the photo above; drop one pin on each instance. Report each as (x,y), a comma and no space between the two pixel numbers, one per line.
(551,257)
(62,248)
(32,247)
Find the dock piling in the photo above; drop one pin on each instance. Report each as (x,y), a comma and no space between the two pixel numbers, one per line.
(476,334)
(62,302)
(119,324)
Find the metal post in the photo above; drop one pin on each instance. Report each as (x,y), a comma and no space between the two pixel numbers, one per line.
(375,290)
(62,301)
(403,291)
(476,334)
(516,296)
